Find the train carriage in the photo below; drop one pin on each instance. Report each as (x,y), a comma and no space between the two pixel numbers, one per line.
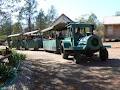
(15,40)
(26,40)
(52,39)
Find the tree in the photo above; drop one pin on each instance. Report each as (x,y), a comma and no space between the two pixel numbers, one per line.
(83,18)
(7,7)
(41,21)
(117,13)
(51,16)
(17,28)
(7,27)
(92,19)
(28,12)
(100,29)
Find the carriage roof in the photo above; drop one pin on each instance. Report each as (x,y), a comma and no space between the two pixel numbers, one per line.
(80,24)
(32,32)
(15,35)
(27,33)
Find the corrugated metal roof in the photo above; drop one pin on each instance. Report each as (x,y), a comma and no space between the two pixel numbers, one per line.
(112,20)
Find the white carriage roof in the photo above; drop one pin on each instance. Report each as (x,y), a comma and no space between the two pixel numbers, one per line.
(27,33)
(14,35)
(32,32)
(47,29)
(112,20)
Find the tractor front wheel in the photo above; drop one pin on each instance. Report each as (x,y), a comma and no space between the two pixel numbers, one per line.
(103,53)
(65,54)
(79,58)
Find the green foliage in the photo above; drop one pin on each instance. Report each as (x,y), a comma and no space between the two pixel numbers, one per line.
(92,19)
(51,16)
(7,27)
(28,12)
(100,30)
(17,28)
(41,21)
(117,13)
(8,70)
(3,37)
(5,70)
(16,58)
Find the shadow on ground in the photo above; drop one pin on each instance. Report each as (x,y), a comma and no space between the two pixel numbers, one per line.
(92,75)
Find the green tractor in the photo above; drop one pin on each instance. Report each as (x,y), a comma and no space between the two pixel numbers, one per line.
(80,41)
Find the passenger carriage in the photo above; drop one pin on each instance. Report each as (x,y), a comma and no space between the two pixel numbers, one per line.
(26,40)
(52,38)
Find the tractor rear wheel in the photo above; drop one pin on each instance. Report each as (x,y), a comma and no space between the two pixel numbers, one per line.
(103,53)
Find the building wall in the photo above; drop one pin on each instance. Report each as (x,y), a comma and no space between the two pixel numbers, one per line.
(112,31)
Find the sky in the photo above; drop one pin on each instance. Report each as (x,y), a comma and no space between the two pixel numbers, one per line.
(76,8)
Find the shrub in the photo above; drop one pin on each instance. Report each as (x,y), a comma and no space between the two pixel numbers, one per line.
(8,70)
(16,58)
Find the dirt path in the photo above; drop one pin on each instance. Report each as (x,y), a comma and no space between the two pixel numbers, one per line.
(48,71)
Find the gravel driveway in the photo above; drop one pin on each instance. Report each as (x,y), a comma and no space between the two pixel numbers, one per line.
(48,71)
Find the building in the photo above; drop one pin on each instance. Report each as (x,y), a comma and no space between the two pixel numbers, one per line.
(112,27)
(59,24)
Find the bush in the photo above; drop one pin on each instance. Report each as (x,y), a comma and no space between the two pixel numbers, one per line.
(3,37)
(8,70)
(16,58)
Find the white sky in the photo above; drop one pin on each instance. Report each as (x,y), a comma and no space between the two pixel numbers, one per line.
(76,8)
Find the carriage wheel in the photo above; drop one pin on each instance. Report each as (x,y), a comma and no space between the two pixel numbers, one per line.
(35,49)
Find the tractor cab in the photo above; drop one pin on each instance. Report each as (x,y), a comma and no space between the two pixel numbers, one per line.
(76,31)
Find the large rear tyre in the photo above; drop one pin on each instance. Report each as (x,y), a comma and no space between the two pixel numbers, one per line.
(103,53)
(65,54)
